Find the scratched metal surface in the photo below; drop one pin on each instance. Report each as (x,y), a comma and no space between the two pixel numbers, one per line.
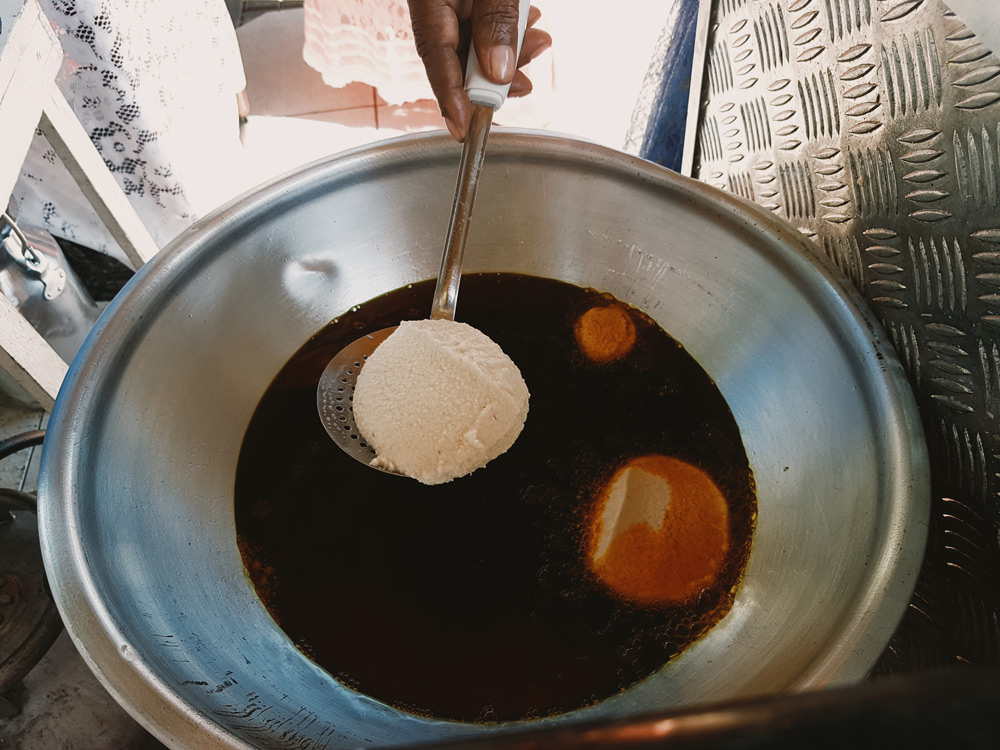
(873,126)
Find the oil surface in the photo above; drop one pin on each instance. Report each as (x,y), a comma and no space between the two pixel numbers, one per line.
(472,600)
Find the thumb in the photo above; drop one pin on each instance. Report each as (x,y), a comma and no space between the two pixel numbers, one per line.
(494,34)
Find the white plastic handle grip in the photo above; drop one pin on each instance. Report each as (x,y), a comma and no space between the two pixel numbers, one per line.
(481,89)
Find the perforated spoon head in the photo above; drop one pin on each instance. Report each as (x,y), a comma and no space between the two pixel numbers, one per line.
(335,396)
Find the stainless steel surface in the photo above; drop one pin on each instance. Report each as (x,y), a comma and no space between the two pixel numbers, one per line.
(335,393)
(39,282)
(136,490)
(873,126)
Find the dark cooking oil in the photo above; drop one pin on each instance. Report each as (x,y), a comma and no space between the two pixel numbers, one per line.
(473,600)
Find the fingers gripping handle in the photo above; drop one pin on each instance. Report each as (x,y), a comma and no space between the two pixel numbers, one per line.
(481,89)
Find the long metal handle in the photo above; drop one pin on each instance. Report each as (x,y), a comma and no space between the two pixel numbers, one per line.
(473,153)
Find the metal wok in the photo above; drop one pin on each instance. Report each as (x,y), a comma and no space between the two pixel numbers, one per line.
(136,493)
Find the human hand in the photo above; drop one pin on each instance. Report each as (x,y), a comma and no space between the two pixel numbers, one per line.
(442,30)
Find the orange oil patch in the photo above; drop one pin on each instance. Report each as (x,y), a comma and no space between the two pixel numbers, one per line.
(677,560)
(605,334)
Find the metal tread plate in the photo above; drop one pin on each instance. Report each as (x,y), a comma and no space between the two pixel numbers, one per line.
(873,126)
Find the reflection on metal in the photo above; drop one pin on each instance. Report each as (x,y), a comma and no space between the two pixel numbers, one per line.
(873,126)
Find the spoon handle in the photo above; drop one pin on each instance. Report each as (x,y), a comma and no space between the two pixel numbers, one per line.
(473,153)
(486,97)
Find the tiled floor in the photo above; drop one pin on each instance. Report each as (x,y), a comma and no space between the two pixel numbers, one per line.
(272,58)
(294,117)
(586,85)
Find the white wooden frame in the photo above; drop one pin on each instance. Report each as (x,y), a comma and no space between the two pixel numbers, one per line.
(30,58)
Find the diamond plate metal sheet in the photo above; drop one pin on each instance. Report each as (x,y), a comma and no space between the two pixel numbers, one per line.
(873,126)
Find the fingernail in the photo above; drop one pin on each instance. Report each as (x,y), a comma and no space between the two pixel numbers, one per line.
(502,63)
(453,129)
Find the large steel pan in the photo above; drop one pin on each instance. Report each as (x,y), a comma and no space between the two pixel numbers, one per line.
(136,495)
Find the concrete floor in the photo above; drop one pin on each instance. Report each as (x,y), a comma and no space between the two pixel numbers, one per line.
(63,706)
(20,471)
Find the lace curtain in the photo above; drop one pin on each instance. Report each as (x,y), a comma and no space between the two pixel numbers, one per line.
(154,85)
(365,40)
